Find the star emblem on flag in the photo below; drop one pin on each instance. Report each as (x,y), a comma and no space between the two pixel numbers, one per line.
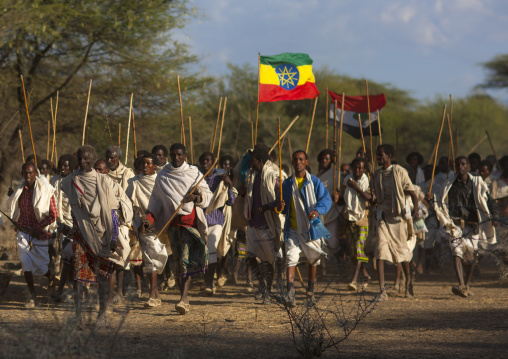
(288,76)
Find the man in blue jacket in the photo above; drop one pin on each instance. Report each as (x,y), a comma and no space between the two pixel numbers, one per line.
(308,199)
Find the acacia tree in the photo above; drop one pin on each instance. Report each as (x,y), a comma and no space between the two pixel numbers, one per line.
(58,45)
(497,70)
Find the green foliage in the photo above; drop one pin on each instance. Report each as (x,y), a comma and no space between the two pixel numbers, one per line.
(497,70)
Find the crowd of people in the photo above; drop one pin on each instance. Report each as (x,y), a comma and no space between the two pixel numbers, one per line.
(96,218)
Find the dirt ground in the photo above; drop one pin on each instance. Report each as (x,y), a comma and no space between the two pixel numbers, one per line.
(232,324)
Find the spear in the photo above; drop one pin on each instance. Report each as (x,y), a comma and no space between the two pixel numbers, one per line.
(28,118)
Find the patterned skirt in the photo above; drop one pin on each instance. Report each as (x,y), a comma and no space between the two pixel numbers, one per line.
(356,236)
(189,251)
(87,265)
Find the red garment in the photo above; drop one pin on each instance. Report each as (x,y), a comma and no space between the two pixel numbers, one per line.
(189,220)
(27,216)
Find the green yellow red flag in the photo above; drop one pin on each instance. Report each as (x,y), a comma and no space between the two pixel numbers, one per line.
(287,76)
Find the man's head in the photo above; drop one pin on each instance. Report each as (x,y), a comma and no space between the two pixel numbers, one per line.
(442,165)
(177,154)
(206,160)
(358,167)
(345,168)
(325,159)
(66,164)
(29,173)
(226,163)
(474,161)
(86,158)
(101,167)
(30,158)
(149,164)
(138,164)
(45,167)
(113,155)
(414,159)
(162,154)
(462,165)
(300,161)
(258,158)
(384,154)
(485,168)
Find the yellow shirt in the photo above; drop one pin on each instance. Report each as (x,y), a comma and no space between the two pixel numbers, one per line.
(292,211)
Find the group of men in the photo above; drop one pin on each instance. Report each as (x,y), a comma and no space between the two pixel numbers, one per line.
(109,218)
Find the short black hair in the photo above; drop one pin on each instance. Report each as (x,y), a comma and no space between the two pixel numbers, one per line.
(30,158)
(418,155)
(457,160)
(474,156)
(325,152)
(160,147)
(73,161)
(260,154)
(388,149)
(137,162)
(29,163)
(226,158)
(359,159)
(176,147)
(300,151)
(141,153)
(206,154)
(46,162)
(151,156)
(486,164)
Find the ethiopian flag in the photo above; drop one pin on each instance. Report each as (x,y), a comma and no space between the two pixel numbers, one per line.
(287,76)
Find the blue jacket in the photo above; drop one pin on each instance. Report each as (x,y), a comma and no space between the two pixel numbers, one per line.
(323,199)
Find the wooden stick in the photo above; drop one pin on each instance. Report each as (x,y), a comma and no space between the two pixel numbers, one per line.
(182,136)
(478,144)
(257,105)
(212,142)
(311,124)
(326,119)
(134,135)
(451,142)
(119,133)
(335,143)
(492,147)
(379,126)
(340,137)
(190,140)
(437,150)
(53,120)
(370,129)
(28,118)
(222,125)
(86,112)
(128,130)
(251,125)
(21,145)
(290,151)
(54,129)
(432,155)
(361,134)
(285,131)
(47,151)
(191,192)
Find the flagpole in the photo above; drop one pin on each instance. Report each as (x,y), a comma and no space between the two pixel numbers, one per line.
(212,142)
(340,135)
(335,144)
(257,105)
(311,123)
(437,150)
(370,129)
(326,119)
(379,126)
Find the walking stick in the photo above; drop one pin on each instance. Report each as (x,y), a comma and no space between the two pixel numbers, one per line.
(326,119)
(119,133)
(451,141)
(28,118)
(379,126)
(335,143)
(361,134)
(340,138)
(285,131)
(47,151)
(280,164)
(181,204)
(437,149)
(182,129)
(190,139)
(212,142)
(311,123)
(21,146)
(134,135)
(128,130)
(251,125)
(370,129)
(222,125)
(257,105)
(86,113)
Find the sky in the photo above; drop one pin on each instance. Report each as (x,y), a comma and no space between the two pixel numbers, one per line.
(431,47)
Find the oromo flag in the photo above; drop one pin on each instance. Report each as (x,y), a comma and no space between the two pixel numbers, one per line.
(287,76)
(357,107)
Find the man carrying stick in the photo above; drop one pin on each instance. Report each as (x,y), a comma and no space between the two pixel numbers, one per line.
(187,230)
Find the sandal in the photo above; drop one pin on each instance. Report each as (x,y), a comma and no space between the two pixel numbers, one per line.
(182,308)
(153,302)
(352,286)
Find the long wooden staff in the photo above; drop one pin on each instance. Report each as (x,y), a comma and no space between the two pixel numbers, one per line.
(326,119)
(21,145)
(53,116)
(191,192)
(49,135)
(280,160)
(182,129)
(361,134)
(222,125)
(29,125)
(432,155)
(370,129)
(340,138)
(86,112)
(190,140)
(119,133)
(335,143)
(437,150)
(379,126)
(311,124)
(285,131)
(257,105)
(451,141)
(492,147)
(128,130)
(251,125)
(134,135)
(212,142)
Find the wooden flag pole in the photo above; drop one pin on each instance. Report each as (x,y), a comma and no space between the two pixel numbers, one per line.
(134,135)
(437,150)
(492,147)
(340,137)
(379,126)
(311,124)
(128,130)
(190,140)
(370,129)
(86,112)
(335,143)
(361,134)
(285,131)
(181,204)
(212,142)
(182,135)
(326,119)
(21,145)
(257,105)
(28,118)
(451,142)
(222,125)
